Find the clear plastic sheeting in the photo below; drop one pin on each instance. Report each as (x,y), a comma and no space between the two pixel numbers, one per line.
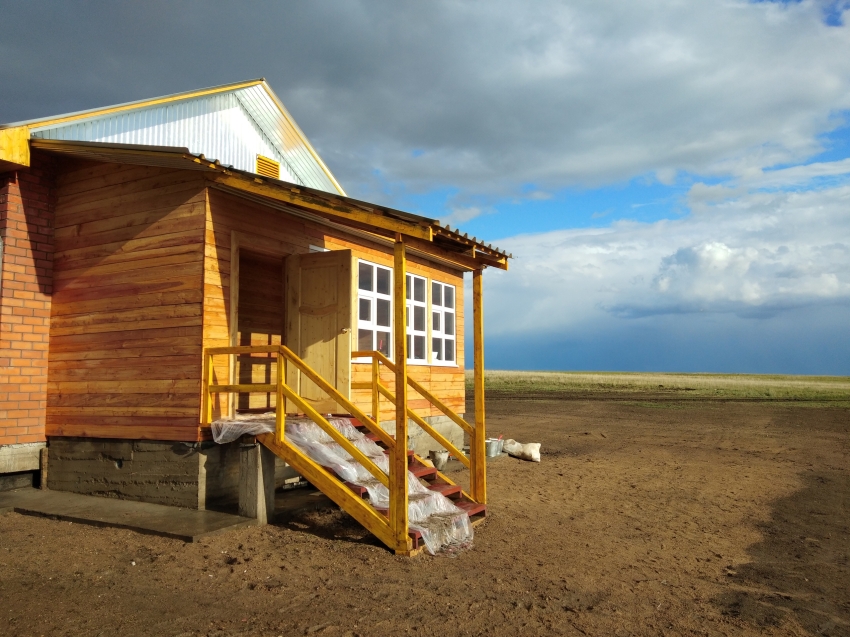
(229,429)
(444,527)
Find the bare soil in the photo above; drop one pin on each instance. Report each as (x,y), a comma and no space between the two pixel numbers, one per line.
(646,516)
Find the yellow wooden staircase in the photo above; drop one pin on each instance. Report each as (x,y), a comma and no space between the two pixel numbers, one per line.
(391,526)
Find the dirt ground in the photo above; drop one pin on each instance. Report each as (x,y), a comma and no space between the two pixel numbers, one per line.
(645,517)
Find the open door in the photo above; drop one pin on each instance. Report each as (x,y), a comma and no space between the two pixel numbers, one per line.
(318,322)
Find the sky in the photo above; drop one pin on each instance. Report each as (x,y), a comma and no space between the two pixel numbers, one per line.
(672,177)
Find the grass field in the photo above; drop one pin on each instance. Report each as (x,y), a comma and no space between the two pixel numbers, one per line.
(703,386)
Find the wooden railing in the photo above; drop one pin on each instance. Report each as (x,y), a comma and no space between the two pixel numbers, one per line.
(475,462)
(393,529)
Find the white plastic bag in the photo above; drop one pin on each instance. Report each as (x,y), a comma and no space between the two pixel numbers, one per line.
(529,451)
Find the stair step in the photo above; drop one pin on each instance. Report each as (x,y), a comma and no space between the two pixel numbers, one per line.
(410,453)
(448,490)
(423,472)
(472,508)
(361,491)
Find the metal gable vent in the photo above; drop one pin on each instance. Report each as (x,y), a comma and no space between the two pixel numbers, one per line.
(268,167)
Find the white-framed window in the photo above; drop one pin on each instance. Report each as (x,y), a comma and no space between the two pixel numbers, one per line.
(417,310)
(374,308)
(443,324)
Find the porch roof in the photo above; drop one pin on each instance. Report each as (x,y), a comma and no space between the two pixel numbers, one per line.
(422,234)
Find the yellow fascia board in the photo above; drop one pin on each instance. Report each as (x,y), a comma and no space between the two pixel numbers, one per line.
(98,112)
(303,137)
(15,147)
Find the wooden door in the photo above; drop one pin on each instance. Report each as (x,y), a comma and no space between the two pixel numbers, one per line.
(318,323)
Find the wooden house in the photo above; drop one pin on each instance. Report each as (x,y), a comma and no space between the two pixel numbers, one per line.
(173,261)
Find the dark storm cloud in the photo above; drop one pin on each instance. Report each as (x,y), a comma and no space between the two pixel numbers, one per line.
(483,97)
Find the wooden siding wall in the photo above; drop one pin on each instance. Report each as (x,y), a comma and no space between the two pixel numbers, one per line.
(262,229)
(126,336)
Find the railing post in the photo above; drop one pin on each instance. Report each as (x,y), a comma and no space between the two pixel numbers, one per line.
(376,397)
(206,405)
(477,450)
(280,401)
(398,455)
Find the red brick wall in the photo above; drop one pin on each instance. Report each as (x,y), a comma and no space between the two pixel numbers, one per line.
(27,203)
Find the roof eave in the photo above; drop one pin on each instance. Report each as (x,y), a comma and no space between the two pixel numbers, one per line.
(422,233)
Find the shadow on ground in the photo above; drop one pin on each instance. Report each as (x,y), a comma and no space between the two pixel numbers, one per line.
(801,569)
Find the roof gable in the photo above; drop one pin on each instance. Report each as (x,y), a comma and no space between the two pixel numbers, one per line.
(232,123)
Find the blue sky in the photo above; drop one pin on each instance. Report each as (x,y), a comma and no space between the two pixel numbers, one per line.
(672,177)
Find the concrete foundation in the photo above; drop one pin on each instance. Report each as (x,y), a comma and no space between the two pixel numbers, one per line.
(12,481)
(421,442)
(189,475)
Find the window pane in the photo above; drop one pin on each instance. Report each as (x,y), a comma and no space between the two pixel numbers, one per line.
(449,327)
(450,349)
(437,348)
(448,297)
(364,340)
(436,322)
(408,346)
(407,285)
(419,348)
(419,290)
(365,310)
(418,318)
(436,294)
(383,344)
(365,277)
(383,281)
(382,317)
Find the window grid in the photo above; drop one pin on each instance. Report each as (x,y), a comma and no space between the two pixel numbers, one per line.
(443,324)
(374,308)
(417,328)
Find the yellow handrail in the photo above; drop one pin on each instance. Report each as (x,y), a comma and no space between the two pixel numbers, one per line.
(476,457)
(281,388)
(448,411)
(384,527)
(436,435)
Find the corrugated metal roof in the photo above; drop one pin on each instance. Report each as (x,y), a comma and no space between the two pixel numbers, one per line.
(234,123)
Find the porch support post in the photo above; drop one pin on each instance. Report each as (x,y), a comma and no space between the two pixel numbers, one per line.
(398,456)
(256,482)
(477,444)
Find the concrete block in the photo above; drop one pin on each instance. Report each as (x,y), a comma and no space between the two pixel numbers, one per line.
(256,483)
(11,481)
(20,457)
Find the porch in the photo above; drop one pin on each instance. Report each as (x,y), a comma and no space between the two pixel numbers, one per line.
(295,387)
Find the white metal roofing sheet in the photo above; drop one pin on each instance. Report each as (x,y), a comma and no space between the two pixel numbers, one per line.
(234,125)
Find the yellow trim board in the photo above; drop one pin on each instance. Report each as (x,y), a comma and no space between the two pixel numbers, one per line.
(108,110)
(14,147)
(303,137)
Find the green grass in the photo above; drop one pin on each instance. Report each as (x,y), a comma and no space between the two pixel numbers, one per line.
(703,386)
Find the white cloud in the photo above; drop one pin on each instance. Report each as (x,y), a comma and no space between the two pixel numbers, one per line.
(461,215)
(588,93)
(756,255)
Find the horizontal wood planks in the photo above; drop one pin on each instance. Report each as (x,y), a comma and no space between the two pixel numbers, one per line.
(271,232)
(127,312)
